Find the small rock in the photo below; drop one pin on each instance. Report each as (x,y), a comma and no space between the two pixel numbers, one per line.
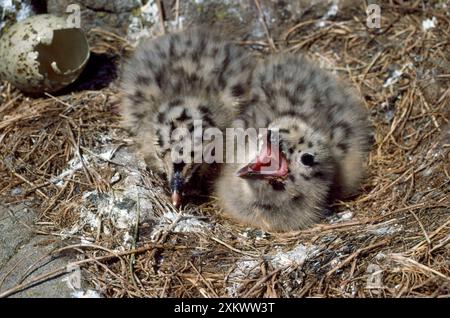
(115,178)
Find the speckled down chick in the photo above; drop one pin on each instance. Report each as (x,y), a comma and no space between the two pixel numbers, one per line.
(321,144)
(176,81)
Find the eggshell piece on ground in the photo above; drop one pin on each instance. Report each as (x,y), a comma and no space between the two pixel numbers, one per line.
(43,53)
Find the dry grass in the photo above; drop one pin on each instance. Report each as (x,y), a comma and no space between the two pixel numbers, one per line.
(401,221)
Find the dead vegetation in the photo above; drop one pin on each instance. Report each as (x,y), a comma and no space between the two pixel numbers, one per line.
(390,241)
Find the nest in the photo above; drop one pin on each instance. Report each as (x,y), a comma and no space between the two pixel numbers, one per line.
(67,156)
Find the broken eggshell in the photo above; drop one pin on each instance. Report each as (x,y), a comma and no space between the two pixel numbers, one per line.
(43,53)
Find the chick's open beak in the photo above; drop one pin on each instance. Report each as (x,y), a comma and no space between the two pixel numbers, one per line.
(270,163)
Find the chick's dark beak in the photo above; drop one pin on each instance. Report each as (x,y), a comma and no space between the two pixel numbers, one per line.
(176,185)
(176,199)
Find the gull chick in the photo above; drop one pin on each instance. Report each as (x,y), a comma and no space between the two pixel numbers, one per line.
(315,149)
(174,84)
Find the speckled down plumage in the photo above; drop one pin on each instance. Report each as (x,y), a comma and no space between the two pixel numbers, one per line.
(175,80)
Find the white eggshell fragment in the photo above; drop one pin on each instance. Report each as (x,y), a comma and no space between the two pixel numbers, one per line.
(44,53)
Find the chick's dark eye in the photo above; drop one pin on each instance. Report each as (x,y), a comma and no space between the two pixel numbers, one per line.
(307,159)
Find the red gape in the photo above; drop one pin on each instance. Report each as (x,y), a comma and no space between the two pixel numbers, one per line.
(270,163)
